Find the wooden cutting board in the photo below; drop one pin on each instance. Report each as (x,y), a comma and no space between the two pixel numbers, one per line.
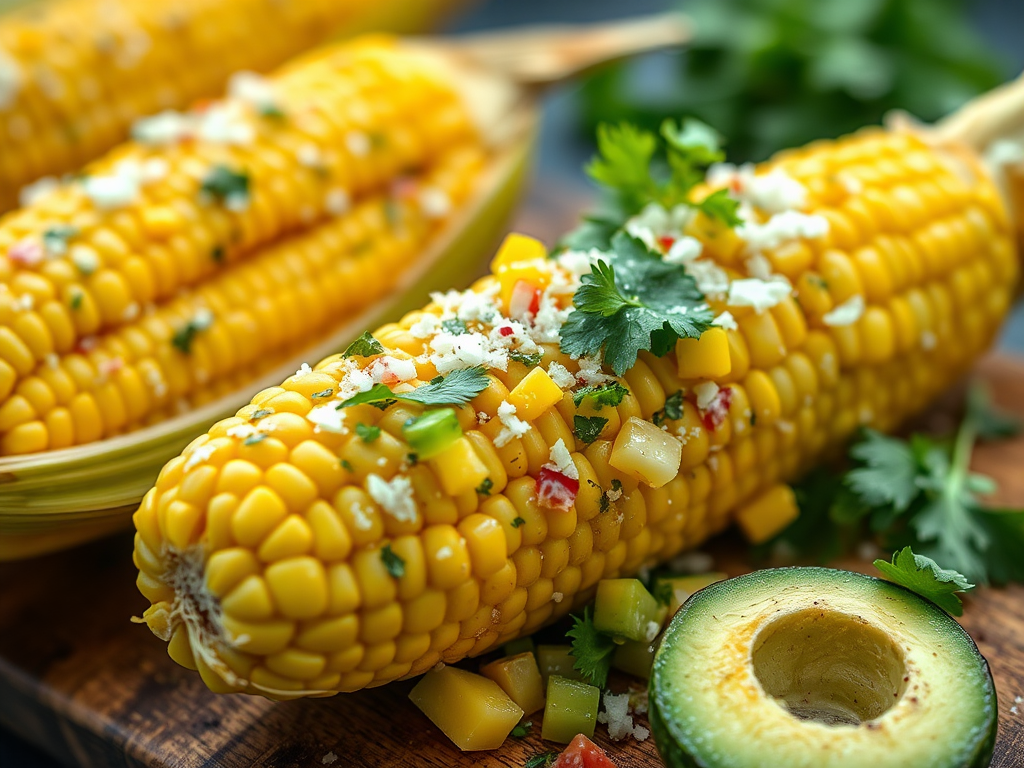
(82,682)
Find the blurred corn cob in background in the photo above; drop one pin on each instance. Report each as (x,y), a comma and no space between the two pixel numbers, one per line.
(361,538)
(226,246)
(75,74)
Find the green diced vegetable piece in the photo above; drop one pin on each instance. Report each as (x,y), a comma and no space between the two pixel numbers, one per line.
(571,708)
(681,587)
(557,660)
(432,432)
(522,645)
(625,609)
(635,658)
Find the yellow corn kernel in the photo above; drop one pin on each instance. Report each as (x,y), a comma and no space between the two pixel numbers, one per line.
(447,556)
(706,357)
(258,514)
(768,514)
(227,567)
(764,340)
(291,538)
(534,395)
(298,586)
(469,709)
(646,452)
(249,601)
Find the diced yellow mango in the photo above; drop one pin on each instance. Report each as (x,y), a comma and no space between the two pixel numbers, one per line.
(646,452)
(516,248)
(706,357)
(534,395)
(768,514)
(471,710)
(519,677)
(459,467)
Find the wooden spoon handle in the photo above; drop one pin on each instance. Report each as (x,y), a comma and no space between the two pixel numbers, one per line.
(998,114)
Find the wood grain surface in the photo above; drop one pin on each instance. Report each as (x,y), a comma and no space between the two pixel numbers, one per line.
(78,679)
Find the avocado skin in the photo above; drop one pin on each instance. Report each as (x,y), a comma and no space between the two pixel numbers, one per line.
(675,755)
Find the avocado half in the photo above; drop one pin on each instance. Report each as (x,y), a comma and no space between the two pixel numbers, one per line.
(819,668)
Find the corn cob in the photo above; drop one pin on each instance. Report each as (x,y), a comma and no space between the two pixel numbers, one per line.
(270,561)
(75,74)
(218,252)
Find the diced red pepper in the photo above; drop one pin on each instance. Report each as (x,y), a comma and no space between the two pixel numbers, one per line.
(26,252)
(718,410)
(666,242)
(535,303)
(506,330)
(583,753)
(525,300)
(556,490)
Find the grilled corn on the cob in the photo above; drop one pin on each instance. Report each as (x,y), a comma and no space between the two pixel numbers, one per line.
(75,74)
(303,550)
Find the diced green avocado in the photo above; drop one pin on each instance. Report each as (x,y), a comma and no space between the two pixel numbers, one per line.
(522,645)
(557,660)
(679,588)
(432,432)
(807,667)
(625,610)
(571,708)
(635,658)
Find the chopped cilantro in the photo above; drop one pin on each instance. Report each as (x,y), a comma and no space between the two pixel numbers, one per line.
(673,409)
(347,465)
(601,395)
(271,112)
(484,489)
(260,413)
(412,459)
(394,564)
(259,437)
(56,237)
(184,336)
(457,388)
(719,205)
(530,361)
(591,649)
(226,185)
(323,393)
(543,760)
(454,326)
(588,428)
(217,254)
(633,301)
(77,296)
(521,730)
(367,433)
(923,575)
(365,346)
(623,164)
(518,521)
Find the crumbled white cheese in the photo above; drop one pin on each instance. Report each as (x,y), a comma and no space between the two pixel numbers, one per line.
(560,460)
(242,431)
(358,143)
(928,340)
(468,306)
(162,129)
(782,228)
(434,202)
(758,266)
(557,597)
(711,279)
(253,89)
(32,193)
(590,372)
(449,352)
(328,418)
(225,123)
(303,370)
(85,260)
(616,715)
(309,155)
(337,202)
(683,250)
(395,496)
(11,79)
(847,313)
(425,327)
(444,553)
(548,322)
(329,759)
(199,455)
(772,192)
(512,426)
(706,393)
(759,294)
(727,321)
(579,263)
(387,369)
(110,192)
(561,376)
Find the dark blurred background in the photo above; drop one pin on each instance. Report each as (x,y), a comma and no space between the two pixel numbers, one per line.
(767,74)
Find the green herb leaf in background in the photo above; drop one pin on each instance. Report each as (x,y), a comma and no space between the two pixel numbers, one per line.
(923,575)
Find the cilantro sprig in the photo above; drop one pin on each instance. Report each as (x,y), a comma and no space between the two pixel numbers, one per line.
(365,346)
(633,301)
(923,575)
(457,388)
(591,649)
(917,492)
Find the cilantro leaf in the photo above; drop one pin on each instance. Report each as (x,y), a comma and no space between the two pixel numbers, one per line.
(663,593)
(591,649)
(530,361)
(394,564)
(623,163)
(365,346)
(367,433)
(454,326)
(457,388)
(323,393)
(610,393)
(593,232)
(587,428)
(521,730)
(673,409)
(226,185)
(256,438)
(518,521)
(889,471)
(542,760)
(698,142)
(484,489)
(923,575)
(721,206)
(634,301)
(184,336)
